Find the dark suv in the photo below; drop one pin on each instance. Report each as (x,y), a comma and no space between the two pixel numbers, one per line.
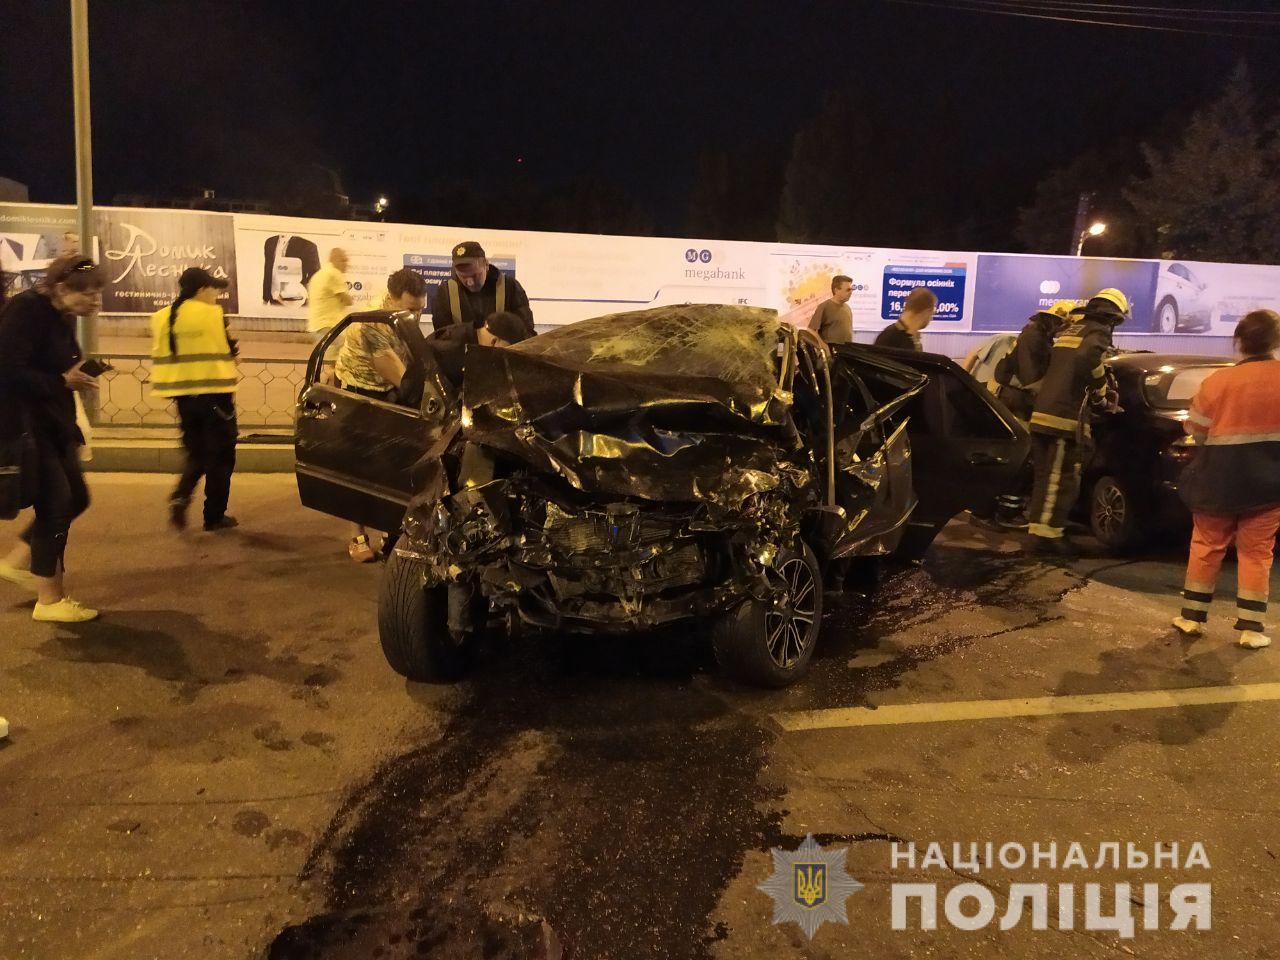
(1131,477)
(635,470)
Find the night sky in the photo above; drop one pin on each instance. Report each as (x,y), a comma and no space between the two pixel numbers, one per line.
(395,96)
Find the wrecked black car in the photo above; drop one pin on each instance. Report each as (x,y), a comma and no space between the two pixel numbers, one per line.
(632,471)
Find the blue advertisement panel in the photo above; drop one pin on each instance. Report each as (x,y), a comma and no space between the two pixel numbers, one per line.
(435,269)
(946,282)
(1011,288)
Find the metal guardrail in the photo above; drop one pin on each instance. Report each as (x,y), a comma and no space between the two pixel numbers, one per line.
(265,396)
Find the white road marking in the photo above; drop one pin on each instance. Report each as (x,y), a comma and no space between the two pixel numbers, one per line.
(895,714)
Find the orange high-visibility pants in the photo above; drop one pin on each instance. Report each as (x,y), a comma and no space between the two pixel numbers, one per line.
(1254,535)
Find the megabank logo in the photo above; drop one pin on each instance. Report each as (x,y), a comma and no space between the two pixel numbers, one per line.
(693,255)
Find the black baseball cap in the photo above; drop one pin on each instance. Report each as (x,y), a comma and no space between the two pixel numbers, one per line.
(195,279)
(468,252)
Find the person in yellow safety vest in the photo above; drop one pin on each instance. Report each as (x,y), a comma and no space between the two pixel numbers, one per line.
(475,289)
(193,361)
(1059,421)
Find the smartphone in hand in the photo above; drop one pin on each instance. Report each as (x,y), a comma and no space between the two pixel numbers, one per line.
(95,367)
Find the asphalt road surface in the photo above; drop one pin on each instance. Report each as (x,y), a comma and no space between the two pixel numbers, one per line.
(223,766)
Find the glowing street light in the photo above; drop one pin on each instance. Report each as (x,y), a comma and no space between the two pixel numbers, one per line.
(1096,229)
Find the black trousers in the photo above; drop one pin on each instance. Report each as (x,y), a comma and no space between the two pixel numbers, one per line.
(1057,484)
(209,439)
(62,496)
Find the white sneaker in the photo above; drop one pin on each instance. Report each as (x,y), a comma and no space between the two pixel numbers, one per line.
(65,610)
(1254,640)
(1186,627)
(23,578)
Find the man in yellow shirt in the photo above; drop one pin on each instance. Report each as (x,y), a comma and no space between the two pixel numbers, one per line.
(193,362)
(328,298)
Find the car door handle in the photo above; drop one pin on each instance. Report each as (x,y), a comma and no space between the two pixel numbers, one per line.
(983,459)
(318,409)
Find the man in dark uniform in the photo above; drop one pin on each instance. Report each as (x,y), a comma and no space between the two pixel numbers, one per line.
(447,350)
(476,289)
(1059,421)
(917,311)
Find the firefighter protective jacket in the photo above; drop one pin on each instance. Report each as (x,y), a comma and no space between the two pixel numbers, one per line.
(1075,370)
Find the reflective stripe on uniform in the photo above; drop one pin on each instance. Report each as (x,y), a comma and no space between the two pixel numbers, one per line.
(1199,418)
(455,307)
(1234,439)
(1044,530)
(223,386)
(1069,343)
(193,357)
(1049,420)
(1055,481)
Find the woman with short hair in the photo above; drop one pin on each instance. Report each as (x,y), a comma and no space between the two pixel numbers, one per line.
(1233,484)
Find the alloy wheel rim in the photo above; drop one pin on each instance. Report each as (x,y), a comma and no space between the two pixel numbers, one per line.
(1110,510)
(789,622)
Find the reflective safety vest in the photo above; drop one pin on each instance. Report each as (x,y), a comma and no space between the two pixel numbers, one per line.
(203,363)
(455,298)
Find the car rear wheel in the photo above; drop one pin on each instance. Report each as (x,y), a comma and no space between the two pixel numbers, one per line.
(413,625)
(770,644)
(1114,514)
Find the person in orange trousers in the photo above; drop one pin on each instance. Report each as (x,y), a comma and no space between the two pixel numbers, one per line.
(1233,485)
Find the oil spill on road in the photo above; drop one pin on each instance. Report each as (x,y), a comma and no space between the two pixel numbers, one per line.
(594,786)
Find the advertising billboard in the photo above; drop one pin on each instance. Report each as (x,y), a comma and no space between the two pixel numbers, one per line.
(269,261)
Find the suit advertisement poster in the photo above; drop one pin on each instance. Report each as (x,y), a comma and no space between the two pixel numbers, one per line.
(278,256)
(143,252)
(32,235)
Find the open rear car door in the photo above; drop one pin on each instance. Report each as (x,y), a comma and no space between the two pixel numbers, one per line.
(966,447)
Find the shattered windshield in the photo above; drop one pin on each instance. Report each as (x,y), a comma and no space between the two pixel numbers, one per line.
(729,343)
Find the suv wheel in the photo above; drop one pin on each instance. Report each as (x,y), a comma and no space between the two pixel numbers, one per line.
(771,644)
(413,625)
(1114,514)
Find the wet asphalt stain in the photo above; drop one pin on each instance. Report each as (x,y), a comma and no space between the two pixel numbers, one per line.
(593,785)
(250,823)
(913,600)
(176,647)
(602,788)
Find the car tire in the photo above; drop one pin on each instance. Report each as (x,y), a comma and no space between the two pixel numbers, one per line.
(1167,316)
(413,625)
(1115,516)
(741,638)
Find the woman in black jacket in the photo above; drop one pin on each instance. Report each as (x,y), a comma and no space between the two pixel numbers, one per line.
(40,362)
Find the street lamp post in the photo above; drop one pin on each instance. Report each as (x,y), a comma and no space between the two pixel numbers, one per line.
(1096,229)
(84,163)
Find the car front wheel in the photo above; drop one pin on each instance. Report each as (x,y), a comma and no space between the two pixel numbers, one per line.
(413,625)
(1114,514)
(770,644)
(1168,315)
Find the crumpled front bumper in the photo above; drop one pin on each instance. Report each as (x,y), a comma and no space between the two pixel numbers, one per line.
(594,567)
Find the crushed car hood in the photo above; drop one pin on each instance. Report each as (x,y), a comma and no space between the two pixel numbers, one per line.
(585,404)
